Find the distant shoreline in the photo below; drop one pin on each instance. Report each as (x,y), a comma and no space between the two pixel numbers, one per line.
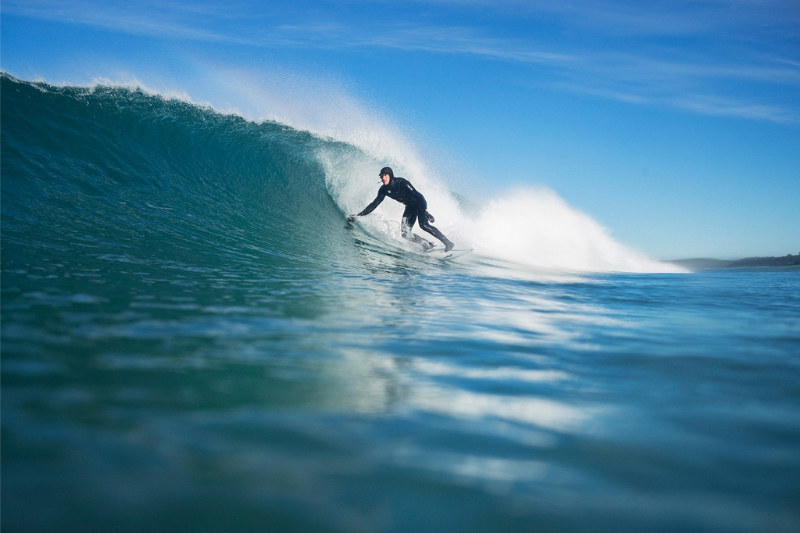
(707,263)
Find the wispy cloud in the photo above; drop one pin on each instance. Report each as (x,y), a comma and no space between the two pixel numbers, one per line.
(681,53)
(437,39)
(654,17)
(696,102)
(702,85)
(159,20)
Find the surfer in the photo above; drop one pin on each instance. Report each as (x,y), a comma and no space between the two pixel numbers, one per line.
(400,189)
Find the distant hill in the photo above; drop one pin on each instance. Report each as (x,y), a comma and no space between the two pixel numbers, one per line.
(705,263)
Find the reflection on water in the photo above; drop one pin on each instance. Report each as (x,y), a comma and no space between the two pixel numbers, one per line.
(369,397)
(544,413)
(504,373)
(417,385)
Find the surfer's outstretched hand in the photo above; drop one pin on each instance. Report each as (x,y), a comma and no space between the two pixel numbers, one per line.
(430,218)
(351,218)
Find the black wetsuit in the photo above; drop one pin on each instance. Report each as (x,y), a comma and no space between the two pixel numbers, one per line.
(400,189)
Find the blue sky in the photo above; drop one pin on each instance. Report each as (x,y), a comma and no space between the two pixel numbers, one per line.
(675,124)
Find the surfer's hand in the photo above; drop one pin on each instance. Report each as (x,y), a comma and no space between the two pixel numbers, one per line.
(430,218)
(351,218)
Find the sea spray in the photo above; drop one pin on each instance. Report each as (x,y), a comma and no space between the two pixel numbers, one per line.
(531,227)
(535,227)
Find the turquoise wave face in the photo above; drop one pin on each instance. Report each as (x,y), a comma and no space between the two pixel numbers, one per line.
(157,178)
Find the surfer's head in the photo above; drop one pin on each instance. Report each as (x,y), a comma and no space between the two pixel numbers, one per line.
(386,175)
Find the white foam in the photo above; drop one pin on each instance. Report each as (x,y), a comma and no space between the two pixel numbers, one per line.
(535,227)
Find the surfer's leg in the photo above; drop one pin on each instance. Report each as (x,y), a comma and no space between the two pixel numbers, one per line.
(426,226)
(406,225)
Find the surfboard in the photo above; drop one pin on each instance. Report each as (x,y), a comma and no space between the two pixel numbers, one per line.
(439,253)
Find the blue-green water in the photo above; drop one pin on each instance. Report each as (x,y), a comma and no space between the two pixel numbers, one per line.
(194,340)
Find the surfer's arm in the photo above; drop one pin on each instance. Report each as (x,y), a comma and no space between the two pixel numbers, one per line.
(375,203)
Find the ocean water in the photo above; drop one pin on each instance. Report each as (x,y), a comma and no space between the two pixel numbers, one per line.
(193,339)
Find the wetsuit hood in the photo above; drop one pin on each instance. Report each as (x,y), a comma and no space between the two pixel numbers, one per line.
(386,170)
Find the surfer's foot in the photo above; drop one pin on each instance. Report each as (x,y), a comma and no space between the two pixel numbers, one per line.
(448,245)
(427,245)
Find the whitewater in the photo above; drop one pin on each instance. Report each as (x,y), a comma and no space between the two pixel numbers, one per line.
(194,339)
